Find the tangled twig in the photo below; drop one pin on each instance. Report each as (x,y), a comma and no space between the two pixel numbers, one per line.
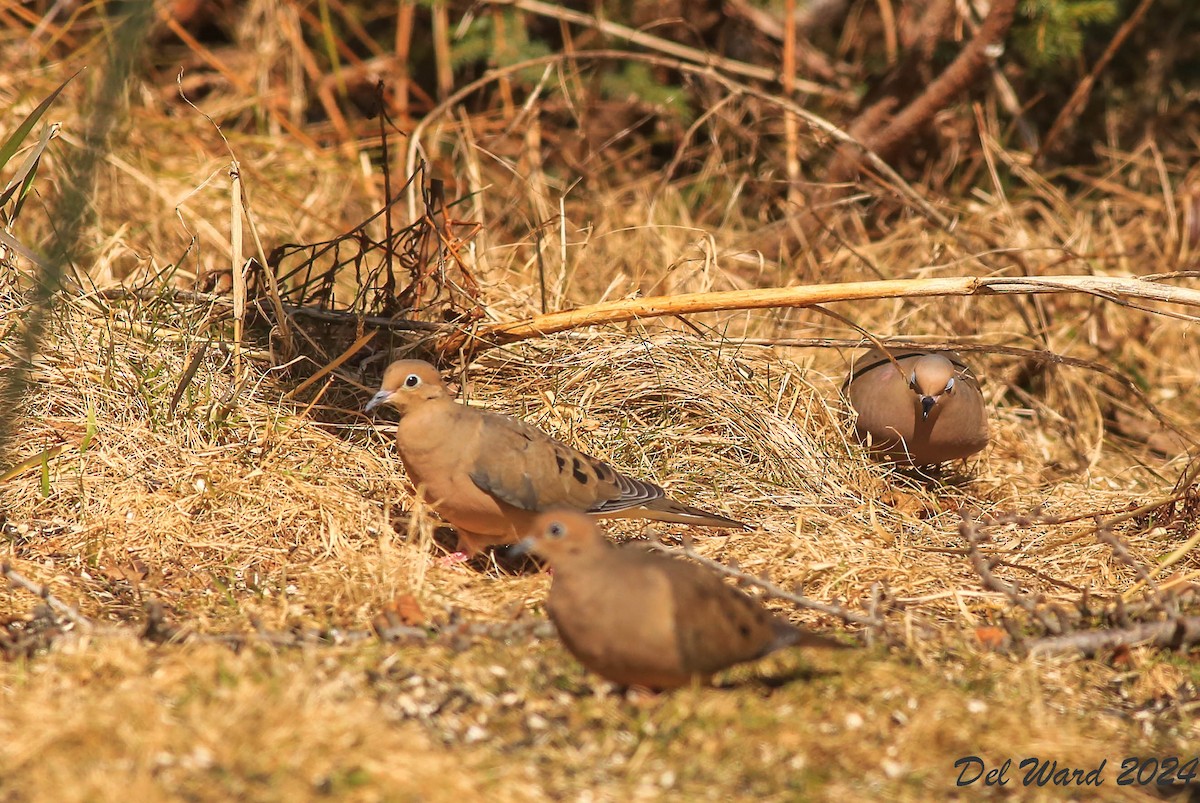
(1175,631)
(972,532)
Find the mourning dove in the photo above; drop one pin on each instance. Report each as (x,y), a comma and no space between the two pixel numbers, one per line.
(489,475)
(924,408)
(642,618)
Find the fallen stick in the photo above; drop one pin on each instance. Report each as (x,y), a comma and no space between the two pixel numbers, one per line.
(1120,290)
(1171,634)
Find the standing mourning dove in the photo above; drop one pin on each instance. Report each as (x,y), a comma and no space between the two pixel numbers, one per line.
(489,475)
(928,411)
(642,618)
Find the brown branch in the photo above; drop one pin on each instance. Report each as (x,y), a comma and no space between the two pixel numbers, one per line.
(1121,552)
(957,78)
(1045,578)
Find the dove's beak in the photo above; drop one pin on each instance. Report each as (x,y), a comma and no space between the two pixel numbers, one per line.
(522,547)
(379,398)
(927,403)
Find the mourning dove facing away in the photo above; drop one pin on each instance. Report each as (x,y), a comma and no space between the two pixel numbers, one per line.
(642,618)
(489,475)
(924,408)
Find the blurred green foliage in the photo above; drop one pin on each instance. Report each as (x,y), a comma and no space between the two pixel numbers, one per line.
(1050,34)
(482,42)
(637,80)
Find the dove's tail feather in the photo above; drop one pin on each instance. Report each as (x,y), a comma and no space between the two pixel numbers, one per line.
(669,510)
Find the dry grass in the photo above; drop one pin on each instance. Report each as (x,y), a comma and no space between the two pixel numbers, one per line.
(243,510)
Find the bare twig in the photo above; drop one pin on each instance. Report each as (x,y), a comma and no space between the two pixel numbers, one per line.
(971,531)
(1173,634)
(955,79)
(1121,552)
(21,581)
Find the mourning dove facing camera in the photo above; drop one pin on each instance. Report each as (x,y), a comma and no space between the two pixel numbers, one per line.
(642,618)
(489,475)
(924,408)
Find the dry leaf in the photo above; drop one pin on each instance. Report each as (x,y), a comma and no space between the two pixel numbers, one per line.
(991,637)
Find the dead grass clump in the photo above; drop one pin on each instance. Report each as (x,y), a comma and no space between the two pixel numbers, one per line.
(232,492)
(682,412)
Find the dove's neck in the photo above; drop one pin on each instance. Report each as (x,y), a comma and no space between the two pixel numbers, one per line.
(432,425)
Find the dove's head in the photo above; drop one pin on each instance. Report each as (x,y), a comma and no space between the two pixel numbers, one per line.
(563,535)
(932,379)
(408,384)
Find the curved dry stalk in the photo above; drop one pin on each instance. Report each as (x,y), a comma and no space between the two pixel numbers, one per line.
(875,341)
(972,533)
(699,70)
(660,45)
(1119,290)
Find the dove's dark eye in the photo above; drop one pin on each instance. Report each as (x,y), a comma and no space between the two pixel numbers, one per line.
(556,530)
(411,381)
